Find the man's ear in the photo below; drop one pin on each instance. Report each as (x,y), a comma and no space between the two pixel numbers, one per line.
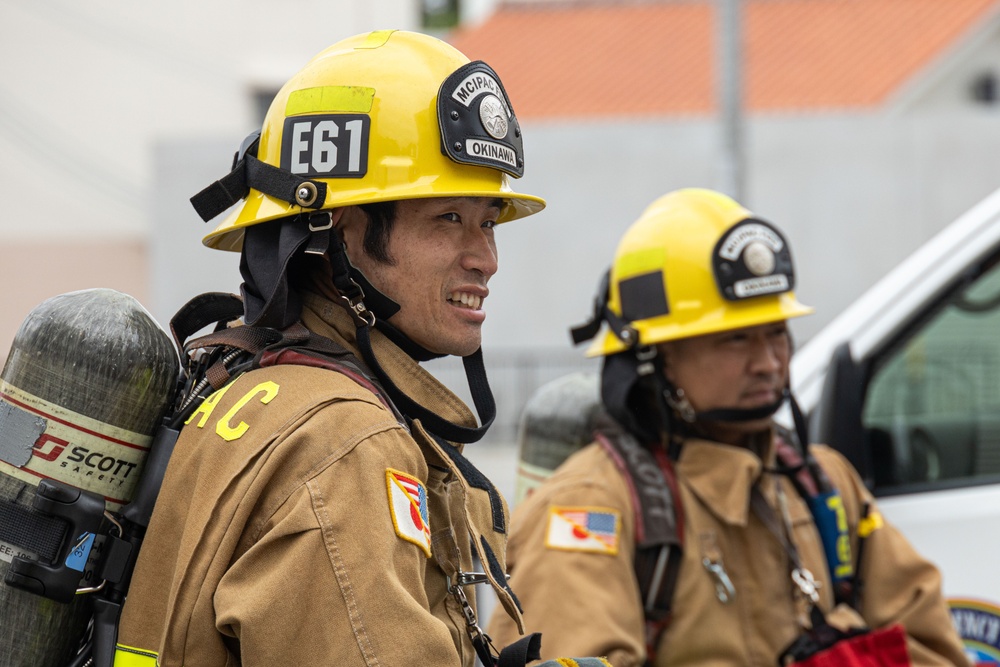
(666,360)
(350,222)
(336,215)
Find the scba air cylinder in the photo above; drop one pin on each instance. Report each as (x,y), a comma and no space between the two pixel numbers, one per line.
(558,419)
(87,381)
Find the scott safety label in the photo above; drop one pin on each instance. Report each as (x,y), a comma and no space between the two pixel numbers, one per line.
(79,451)
(326,146)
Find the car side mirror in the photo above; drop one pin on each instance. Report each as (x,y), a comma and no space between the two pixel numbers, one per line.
(837,420)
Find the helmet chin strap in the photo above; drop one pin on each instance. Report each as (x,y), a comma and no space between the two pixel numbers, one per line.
(346,278)
(743,414)
(683,417)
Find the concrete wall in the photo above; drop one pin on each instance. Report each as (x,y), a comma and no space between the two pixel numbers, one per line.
(855,195)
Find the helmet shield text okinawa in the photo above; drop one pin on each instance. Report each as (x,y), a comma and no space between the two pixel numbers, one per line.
(752,259)
(478,125)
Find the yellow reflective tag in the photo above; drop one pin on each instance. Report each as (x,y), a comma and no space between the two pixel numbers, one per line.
(638,262)
(330,99)
(128,656)
(870,524)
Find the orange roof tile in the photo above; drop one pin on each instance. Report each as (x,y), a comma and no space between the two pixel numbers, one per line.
(657,58)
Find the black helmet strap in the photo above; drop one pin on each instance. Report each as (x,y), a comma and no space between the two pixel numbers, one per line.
(475,370)
(743,414)
(601,313)
(249,172)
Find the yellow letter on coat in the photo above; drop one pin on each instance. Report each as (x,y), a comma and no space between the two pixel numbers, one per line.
(230,433)
(206,407)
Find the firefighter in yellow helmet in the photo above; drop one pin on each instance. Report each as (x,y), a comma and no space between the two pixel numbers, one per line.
(694,530)
(317,508)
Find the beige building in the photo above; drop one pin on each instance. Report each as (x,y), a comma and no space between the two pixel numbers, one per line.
(89,89)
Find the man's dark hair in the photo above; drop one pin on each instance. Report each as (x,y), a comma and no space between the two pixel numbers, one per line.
(381,218)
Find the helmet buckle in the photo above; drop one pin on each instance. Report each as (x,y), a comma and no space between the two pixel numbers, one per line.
(646,355)
(320,225)
(315,226)
(680,404)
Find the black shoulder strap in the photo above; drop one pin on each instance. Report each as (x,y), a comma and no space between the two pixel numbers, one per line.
(659,523)
(210,362)
(822,498)
(214,359)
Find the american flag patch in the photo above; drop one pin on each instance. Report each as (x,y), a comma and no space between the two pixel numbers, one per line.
(408,507)
(593,529)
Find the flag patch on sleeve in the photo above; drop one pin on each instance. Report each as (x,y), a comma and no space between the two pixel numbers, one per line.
(592,529)
(408,507)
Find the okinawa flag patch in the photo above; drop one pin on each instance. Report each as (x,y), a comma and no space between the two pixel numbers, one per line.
(593,529)
(408,506)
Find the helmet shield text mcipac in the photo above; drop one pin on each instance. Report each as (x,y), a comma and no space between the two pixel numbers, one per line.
(752,259)
(477,123)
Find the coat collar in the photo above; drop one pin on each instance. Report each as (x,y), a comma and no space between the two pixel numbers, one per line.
(721,476)
(328,319)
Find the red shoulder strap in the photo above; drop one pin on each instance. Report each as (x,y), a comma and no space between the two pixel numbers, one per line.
(659,520)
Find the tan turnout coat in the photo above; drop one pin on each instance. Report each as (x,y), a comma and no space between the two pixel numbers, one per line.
(275,542)
(588,603)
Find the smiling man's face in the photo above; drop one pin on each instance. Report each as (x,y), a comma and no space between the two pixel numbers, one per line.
(443,254)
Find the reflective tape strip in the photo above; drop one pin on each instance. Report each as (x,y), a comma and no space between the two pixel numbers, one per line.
(330,99)
(128,656)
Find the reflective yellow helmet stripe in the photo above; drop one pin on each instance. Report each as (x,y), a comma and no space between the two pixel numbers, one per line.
(129,656)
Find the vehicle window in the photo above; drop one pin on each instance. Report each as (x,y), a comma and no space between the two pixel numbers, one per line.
(932,408)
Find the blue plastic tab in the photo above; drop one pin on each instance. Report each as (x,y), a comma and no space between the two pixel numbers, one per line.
(78,555)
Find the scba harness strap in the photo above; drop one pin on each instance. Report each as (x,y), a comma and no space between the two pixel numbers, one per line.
(212,361)
(659,520)
(659,526)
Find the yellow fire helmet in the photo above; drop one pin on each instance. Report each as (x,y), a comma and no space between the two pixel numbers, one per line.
(694,263)
(377,117)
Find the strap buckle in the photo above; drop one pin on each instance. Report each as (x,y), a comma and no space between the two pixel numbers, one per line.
(806,583)
(480,640)
(724,589)
(84,513)
(468,579)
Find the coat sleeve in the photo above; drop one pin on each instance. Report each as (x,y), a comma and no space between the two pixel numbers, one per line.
(583,603)
(898,585)
(328,581)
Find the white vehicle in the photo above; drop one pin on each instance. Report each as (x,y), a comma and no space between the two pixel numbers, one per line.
(906,383)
